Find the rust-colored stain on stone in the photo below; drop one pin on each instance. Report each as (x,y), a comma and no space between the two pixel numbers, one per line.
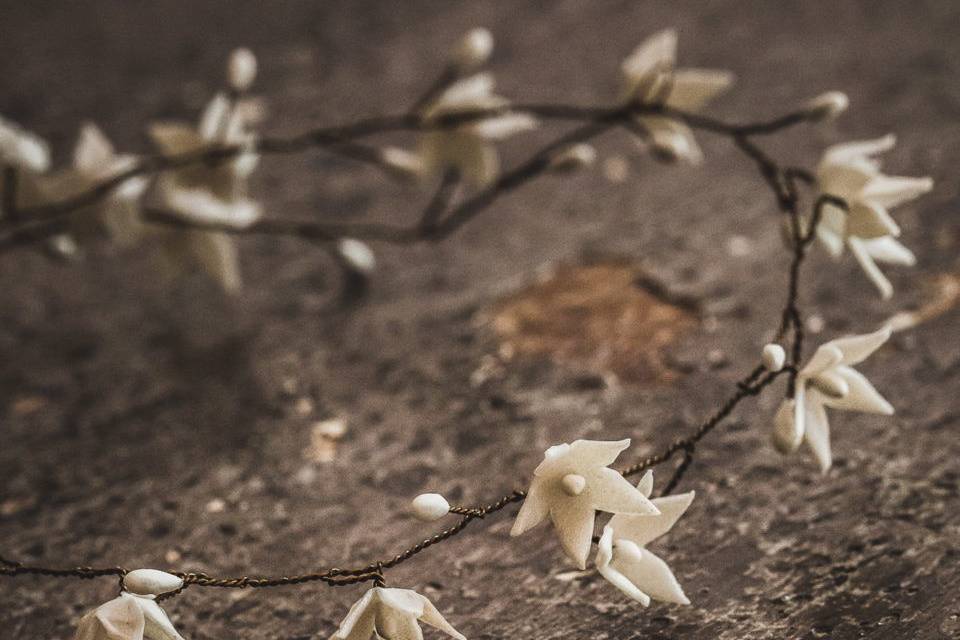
(596,317)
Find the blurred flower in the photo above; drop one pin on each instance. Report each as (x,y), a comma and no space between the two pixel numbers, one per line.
(468,147)
(649,78)
(829,380)
(848,171)
(214,193)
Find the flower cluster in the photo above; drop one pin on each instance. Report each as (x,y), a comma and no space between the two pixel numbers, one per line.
(202,184)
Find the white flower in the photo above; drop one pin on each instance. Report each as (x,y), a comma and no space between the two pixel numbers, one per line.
(649,77)
(468,147)
(21,149)
(571,484)
(627,565)
(128,617)
(829,380)
(391,614)
(848,171)
(209,194)
(95,161)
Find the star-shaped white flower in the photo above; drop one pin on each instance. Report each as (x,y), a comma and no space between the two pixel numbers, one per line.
(829,380)
(128,617)
(849,171)
(649,77)
(206,194)
(571,484)
(392,614)
(625,562)
(469,147)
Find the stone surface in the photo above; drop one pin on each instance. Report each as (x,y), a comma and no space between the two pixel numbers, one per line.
(128,405)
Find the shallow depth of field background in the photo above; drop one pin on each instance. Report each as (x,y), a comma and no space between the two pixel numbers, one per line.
(166,425)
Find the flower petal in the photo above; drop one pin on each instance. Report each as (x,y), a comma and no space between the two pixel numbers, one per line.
(870,267)
(645,486)
(861,397)
(502,127)
(574,519)
(609,491)
(656,53)
(397,625)
(643,529)
(848,151)
(856,349)
(691,89)
(156,624)
(215,118)
(868,220)
(534,509)
(889,250)
(889,191)
(216,252)
(433,617)
(359,621)
(614,577)
(788,425)
(93,153)
(826,356)
(673,137)
(173,137)
(597,453)
(654,577)
(119,619)
(817,429)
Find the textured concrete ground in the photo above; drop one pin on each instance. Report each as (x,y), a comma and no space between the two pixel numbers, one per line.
(163,425)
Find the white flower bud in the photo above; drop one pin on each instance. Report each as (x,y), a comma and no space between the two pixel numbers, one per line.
(787,430)
(773,357)
(827,106)
(573,158)
(357,255)
(150,582)
(473,50)
(430,506)
(242,69)
(573,484)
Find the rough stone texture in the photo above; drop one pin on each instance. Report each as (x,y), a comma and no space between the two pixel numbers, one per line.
(165,426)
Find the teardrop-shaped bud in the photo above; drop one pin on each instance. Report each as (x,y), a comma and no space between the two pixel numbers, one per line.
(473,50)
(242,69)
(151,582)
(773,357)
(573,484)
(430,506)
(827,106)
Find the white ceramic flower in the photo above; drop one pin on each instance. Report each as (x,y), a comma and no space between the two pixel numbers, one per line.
(649,77)
(128,617)
(469,147)
(571,484)
(829,381)
(392,614)
(849,171)
(209,194)
(625,562)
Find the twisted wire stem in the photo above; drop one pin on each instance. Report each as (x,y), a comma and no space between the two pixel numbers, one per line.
(439,220)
